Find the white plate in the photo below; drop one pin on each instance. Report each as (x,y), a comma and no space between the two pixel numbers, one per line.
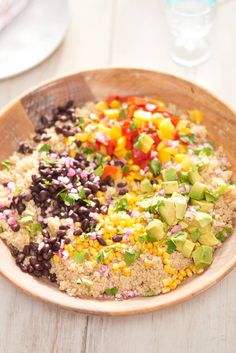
(32,36)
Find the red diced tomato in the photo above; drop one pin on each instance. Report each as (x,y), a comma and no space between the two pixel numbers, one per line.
(111,145)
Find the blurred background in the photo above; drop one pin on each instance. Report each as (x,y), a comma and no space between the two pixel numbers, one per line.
(60,36)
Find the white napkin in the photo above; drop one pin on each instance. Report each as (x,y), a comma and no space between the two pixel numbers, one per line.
(10,9)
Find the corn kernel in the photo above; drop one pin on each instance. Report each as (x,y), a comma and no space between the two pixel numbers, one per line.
(148,263)
(165,290)
(183,273)
(56,258)
(115,104)
(112,113)
(127,271)
(189,272)
(122,264)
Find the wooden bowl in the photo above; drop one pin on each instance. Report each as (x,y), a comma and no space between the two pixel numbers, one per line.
(18,120)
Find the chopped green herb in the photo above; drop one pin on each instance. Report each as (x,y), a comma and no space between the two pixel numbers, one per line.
(133,126)
(155,167)
(126,169)
(81,121)
(130,256)
(45,148)
(207,150)
(100,158)
(82,193)
(29,213)
(128,155)
(84,281)
(1,229)
(47,182)
(122,114)
(68,198)
(150,293)
(121,205)
(171,247)
(111,291)
(6,164)
(220,236)
(88,150)
(34,229)
(101,256)
(187,138)
(80,257)
(229,229)
(99,170)
(195,235)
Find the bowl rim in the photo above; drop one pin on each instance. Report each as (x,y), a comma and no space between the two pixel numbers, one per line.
(101,308)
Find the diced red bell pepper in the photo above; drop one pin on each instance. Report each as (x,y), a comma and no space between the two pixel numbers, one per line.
(111,145)
(130,111)
(110,170)
(141,158)
(174,119)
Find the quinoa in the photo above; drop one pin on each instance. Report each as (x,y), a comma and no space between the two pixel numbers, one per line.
(117,199)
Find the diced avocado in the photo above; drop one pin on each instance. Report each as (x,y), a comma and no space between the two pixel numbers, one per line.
(194,176)
(180,205)
(197,191)
(170,186)
(167,211)
(204,206)
(179,239)
(146,186)
(203,219)
(155,229)
(203,255)
(195,235)
(212,196)
(187,248)
(150,202)
(208,239)
(184,177)
(169,174)
(144,143)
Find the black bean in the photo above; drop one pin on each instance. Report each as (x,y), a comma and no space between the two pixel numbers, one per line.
(123,191)
(101,240)
(20,258)
(103,188)
(56,246)
(121,184)
(38,267)
(103,209)
(77,232)
(78,143)
(26,250)
(46,248)
(64,227)
(85,224)
(37,273)
(117,238)
(83,210)
(47,265)
(61,233)
(14,251)
(45,272)
(48,255)
(93,187)
(44,120)
(33,261)
(43,195)
(37,138)
(30,269)
(28,197)
(15,227)
(53,277)
(23,267)
(67,241)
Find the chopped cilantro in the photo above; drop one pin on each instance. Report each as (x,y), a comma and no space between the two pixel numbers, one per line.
(128,155)
(99,170)
(155,167)
(6,164)
(88,150)
(220,236)
(150,293)
(81,121)
(121,205)
(45,148)
(170,245)
(34,229)
(207,150)
(111,291)
(47,182)
(126,169)
(68,198)
(80,257)
(82,193)
(229,229)
(187,138)
(1,229)
(122,114)
(133,126)
(130,256)
(101,256)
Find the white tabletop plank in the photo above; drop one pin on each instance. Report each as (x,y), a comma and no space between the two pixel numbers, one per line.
(125,33)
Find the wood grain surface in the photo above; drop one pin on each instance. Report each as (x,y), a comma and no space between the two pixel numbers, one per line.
(121,33)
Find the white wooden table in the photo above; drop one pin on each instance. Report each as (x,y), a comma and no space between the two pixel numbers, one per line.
(125,33)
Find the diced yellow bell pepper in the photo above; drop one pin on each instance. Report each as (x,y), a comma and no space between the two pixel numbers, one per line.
(164,156)
(115,132)
(157,118)
(101,106)
(83,136)
(144,143)
(196,116)
(179,157)
(171,150)
(115,104)
(120,150)
(166,129)
(186,164)
(141,116)
(185,131)
(182,124)
(112,113)
(161,145)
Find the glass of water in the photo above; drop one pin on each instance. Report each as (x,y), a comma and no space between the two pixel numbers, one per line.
(190,23)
